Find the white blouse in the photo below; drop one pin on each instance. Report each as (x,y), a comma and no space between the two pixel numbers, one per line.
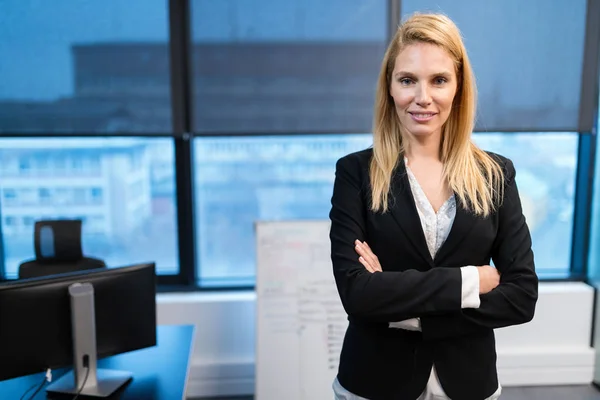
(436,227)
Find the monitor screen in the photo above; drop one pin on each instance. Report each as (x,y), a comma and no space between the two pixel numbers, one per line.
(35,317)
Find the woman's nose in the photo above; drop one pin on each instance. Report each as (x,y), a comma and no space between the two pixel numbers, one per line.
(422,95)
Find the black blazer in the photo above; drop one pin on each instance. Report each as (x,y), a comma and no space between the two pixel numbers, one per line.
(381,363)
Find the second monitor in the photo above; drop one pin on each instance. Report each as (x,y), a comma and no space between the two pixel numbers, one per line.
(74,319)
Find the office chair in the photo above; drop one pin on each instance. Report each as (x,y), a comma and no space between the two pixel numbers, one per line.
(57,250)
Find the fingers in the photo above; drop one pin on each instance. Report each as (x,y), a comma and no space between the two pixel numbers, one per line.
(363,258)
(365,253)
(493,270)
(366,264)
(368,257)
(489,278)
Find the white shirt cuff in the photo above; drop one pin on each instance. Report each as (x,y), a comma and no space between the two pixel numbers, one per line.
(413,324)
(470,287)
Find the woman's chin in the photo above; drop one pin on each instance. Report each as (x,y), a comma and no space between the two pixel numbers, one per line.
(420,132)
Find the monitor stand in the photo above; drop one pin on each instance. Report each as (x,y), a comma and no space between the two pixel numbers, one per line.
(99,382)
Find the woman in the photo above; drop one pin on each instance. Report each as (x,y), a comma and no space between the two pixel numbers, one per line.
(415,223)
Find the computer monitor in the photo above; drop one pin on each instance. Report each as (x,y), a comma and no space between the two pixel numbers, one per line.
(73,319)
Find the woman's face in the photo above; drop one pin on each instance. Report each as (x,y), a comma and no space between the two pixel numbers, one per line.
(423,87)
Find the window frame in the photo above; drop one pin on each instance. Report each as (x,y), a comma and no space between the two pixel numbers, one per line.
(181,81)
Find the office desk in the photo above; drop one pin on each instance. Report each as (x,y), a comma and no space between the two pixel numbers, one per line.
(159,372)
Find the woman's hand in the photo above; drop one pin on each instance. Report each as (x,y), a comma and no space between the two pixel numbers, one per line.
(489,278)
(366,257)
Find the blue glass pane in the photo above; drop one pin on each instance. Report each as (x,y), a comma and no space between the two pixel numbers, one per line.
(594,256)
(243,180)
(84,66)
(122,188)
(546,165)
(271,66)
(514,46)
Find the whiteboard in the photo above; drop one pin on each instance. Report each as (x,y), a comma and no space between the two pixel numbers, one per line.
(300,320)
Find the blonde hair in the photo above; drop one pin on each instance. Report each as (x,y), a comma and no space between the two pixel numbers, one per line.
(471,173)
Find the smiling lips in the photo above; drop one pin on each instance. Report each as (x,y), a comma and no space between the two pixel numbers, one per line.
(422,116)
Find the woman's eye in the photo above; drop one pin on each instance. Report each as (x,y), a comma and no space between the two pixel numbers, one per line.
(440,81)
(405,81)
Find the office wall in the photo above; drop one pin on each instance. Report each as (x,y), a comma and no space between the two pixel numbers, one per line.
(553,349)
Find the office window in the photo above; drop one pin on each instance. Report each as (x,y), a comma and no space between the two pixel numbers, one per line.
(243,180)
(280,90)
(546,166)
(119,226)
(594,256)
(84,66)
(28,221)
(24,166)
(10,196)
(10,221)
(514,47)
(45,196)
(96,195)
(271,66)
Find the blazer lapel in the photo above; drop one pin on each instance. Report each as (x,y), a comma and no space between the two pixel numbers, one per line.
(404,211)
(462,225)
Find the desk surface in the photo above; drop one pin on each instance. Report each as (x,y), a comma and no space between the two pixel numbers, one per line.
(159,372)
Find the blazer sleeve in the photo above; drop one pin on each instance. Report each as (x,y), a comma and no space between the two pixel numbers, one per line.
(381,296)
(513,301)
